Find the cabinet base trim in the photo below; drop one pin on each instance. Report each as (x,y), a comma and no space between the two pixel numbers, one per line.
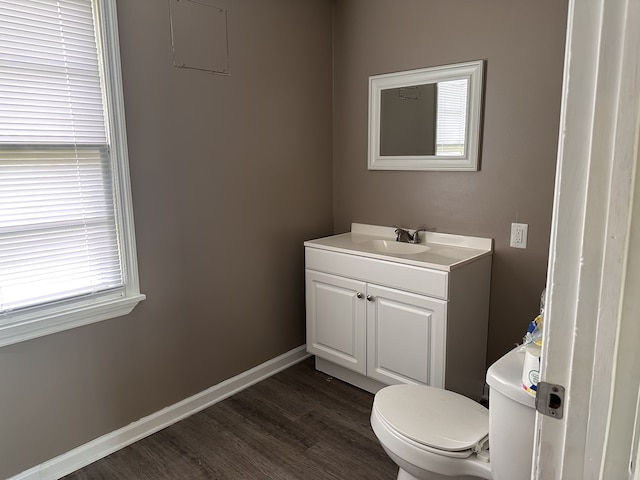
(349,376)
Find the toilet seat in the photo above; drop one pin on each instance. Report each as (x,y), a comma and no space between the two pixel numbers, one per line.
(440,421)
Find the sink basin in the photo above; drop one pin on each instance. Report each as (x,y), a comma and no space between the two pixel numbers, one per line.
(391,246)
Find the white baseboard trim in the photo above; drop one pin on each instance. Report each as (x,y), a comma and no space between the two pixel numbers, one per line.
(111,442)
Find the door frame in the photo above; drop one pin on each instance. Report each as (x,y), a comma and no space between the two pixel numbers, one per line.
(591,330)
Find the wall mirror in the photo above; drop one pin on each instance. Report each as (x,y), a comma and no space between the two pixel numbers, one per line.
(427,119)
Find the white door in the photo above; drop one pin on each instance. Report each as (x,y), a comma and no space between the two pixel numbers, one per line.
(336,324)
(405,337)
(591,330)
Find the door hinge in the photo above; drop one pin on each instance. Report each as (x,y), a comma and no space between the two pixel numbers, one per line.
(550,399)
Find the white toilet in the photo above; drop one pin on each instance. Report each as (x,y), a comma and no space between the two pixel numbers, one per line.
(434,434)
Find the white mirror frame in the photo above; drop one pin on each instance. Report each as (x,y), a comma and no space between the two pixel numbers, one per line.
(473,71)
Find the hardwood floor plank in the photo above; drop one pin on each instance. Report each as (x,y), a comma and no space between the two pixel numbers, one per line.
(298,424)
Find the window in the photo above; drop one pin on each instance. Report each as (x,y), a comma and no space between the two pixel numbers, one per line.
(452,118)
(67,248)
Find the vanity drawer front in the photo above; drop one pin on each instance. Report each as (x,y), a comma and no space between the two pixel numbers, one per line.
(397,275)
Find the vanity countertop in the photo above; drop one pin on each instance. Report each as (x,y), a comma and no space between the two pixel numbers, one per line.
(441,251)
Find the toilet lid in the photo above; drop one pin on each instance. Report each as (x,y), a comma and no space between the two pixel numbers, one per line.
(434,417)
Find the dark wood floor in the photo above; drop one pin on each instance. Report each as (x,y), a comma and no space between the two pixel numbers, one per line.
(297,425)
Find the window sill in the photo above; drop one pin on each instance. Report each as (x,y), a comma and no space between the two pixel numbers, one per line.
(57,319)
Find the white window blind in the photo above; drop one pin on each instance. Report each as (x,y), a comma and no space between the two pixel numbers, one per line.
(452,117)
(58,225)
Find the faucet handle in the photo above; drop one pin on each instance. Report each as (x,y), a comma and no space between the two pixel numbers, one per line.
(415,238)
(403,235)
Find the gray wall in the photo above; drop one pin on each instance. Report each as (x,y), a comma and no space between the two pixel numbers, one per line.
(220,161)
(230,174)
(523,45)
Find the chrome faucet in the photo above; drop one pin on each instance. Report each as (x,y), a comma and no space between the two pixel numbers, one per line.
(405,236)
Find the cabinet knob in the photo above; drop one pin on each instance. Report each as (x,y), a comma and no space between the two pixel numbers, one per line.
(370,298)
(359,295)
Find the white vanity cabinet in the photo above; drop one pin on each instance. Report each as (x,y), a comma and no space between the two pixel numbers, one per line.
(375,319)
(384,333)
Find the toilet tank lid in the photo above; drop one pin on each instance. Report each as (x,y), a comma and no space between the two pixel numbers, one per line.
(505,376)
(434,417)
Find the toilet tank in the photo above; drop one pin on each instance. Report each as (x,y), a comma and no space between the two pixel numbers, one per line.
(511,419)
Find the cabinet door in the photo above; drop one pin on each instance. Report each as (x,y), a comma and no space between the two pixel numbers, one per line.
(405,337)
(336,325)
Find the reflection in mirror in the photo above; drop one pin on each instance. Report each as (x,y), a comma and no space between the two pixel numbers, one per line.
(408,120)
(425,119)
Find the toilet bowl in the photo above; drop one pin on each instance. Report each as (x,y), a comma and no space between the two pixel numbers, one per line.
(434,434)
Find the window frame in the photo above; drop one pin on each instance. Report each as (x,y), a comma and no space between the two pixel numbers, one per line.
(38,321)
